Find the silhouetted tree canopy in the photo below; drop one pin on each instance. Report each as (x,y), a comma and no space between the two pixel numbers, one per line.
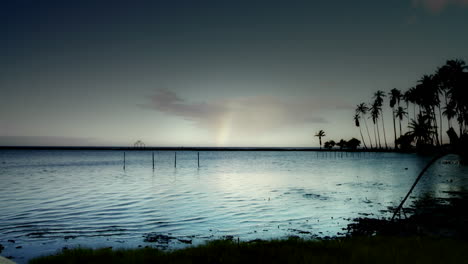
(353,143)
(444,93)
(329,144)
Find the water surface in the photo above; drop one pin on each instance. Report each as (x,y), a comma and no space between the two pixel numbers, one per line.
(55,199)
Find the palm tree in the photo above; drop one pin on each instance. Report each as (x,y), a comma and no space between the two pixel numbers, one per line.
(454,80)
(400,113)
(395,96)
(428,92)
(445,92)
(356,122)
(421,130)
(450,112)
(375,112)
(320,134)
(362,110)
(378,99)
(411,97)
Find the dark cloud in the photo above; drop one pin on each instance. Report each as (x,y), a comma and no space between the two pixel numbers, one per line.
(168,102)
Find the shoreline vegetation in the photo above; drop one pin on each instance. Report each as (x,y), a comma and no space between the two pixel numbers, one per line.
(292,250)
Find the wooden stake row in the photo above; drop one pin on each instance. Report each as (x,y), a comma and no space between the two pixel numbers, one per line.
(198,157)
(175,160)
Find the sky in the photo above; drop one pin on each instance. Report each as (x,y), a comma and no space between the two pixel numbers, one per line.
(212,73)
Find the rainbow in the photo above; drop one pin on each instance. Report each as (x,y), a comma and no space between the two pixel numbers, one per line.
(224,129)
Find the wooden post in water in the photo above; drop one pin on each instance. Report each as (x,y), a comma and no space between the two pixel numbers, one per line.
(198,155)
(175,159)
(153,160)
(124,161)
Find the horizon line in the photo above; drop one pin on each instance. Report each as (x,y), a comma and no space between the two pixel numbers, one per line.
(132,148)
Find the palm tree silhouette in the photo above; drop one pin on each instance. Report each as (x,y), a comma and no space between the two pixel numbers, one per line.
(378,99)
(356,122)
(421,130)
(450,112)
(400,113)
(395,96)
(410,97)
(447,77)
(320,134)
(362,110)
(444,92)
(375,112)
(454,80)
(428,92)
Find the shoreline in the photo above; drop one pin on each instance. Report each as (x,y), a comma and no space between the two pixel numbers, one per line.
(279,149)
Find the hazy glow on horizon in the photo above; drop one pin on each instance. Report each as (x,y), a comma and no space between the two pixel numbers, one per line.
(224,129)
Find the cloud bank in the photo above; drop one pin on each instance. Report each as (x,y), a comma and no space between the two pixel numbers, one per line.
(241,116)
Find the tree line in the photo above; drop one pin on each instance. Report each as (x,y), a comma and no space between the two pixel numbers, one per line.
(342,144)
(437,96)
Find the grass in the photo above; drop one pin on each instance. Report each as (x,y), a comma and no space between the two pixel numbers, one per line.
(294,250)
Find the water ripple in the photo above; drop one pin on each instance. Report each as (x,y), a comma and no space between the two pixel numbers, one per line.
(85,198)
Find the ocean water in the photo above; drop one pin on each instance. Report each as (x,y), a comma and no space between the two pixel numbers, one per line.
(55,199)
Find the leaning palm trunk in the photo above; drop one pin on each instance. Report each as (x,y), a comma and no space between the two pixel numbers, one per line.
(441,133)
(378,133)
(400,125)
(436,133)
(407,116)
(364,142)
(414,111)
(460,121)
(394,128)
(449,122)
(375,137)
(384,134)
(367,128)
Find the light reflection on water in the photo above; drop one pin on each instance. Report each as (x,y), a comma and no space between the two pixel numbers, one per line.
(52,199)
